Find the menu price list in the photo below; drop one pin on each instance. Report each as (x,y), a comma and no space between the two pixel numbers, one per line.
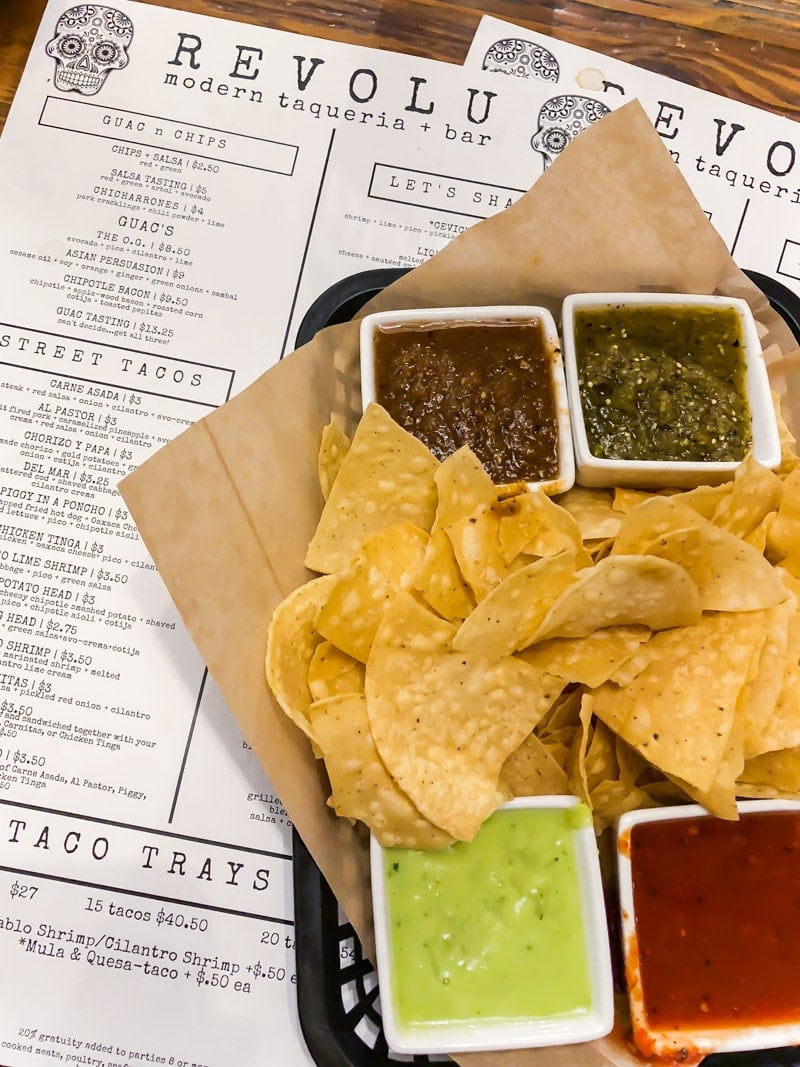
(81,605)
(137,247)
(199,923)
(131,270)
(150,957)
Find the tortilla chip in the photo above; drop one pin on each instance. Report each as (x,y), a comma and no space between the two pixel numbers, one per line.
(332,449)
(626,500)
(291,643)
(650,520)
(783,540)
(440,581)
(513,611)
(576,764)
(608,792)
(623,591)
(386,563)
(705,499)
(361,786)
(559,746)
(332,672)
(757,538)
(778,771)
(762,693)
(593,510)
(720,797)
(496,539)
(533,524)
(531,771)
(678,712)
(445,722)
(728,573)
(789,457)
(611,798)
(644,655)
(385,478)
(589,660)
(755,492)
(462,485)
(599,549)
(562,716)
(614,796)
(475,539)
(782,730)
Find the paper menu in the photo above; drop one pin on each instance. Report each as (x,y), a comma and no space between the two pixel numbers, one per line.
(742,163)
(177,190)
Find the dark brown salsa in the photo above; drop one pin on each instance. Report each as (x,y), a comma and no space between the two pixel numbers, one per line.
(487,385)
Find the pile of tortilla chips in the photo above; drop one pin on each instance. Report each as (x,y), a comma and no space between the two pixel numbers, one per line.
(467,643)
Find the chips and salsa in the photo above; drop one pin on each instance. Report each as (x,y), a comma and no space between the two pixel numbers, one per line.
(470,619)
(465,643)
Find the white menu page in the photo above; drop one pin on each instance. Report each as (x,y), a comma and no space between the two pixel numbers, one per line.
(742,163)
(176,192)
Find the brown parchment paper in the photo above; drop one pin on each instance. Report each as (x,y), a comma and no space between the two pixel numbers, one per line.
(227,509)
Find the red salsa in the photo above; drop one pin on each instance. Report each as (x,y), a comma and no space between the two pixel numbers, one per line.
(717,909)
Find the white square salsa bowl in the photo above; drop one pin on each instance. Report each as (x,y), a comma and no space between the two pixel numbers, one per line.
(504,395)
(492,945)
(623,389)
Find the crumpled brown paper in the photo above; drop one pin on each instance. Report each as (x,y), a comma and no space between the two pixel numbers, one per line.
(227,509)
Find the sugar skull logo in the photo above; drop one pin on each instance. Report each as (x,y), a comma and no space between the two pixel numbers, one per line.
(561,119)
(524,59)
(90,41)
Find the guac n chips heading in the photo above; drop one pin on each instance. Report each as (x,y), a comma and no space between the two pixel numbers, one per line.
(466,644)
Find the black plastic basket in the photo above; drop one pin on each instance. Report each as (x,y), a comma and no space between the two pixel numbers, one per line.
(337,988)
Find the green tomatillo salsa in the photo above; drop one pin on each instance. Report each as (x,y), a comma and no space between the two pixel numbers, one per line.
(491,929)
(663,382)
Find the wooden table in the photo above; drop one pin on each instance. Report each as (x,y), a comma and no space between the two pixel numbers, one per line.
(745,49)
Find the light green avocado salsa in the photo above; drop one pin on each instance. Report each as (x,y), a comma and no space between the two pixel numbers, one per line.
(491,929)
(663,382)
